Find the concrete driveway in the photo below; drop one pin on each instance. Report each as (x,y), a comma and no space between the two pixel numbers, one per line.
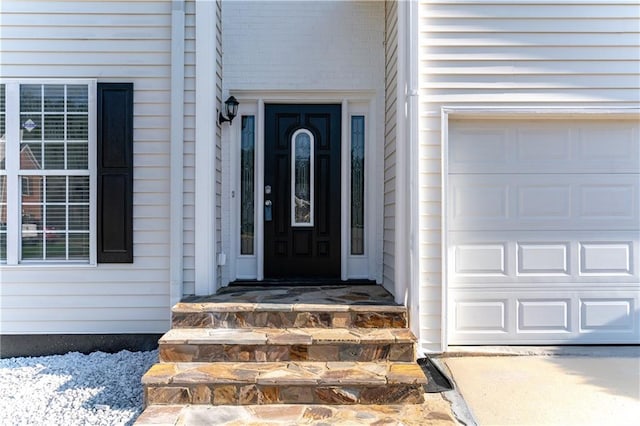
(563,386)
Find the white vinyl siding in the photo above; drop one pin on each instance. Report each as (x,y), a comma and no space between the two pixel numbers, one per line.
(573,54)
(391,95)
(110,41)
(218,139)
(189,146)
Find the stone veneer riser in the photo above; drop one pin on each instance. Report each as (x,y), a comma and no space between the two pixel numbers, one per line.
(351,352)
(305,319)
(232,394)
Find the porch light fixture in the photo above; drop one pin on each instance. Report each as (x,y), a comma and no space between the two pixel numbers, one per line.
(230,108)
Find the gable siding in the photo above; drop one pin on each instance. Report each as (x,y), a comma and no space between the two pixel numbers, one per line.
(391,95)
(111,41)
(514,54)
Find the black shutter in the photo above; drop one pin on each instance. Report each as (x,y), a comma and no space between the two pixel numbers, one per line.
(115,172)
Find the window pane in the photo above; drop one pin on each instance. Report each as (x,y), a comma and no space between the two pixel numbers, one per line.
(30,98)
(31,243)
(247,209)
(54,97)
(79,246)
(357,185)
(56,248)
(56,189)
(302,172)
(54,156)
(2,129)
(77,98)
(3,218)
(54,127)
(79,189)
(77,156)
(79,218)
(31,127)
(77,127)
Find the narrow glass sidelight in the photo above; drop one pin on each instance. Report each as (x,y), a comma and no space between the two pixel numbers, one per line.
(3,178)
(302,178)
(247,193)
(357,185)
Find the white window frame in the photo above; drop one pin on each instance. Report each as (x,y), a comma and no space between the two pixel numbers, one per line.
(13,173)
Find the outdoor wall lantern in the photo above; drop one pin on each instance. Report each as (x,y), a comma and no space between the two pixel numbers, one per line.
(230,108)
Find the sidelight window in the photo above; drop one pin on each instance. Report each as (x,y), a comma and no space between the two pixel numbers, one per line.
(302,178)
(357,185)
(247,173)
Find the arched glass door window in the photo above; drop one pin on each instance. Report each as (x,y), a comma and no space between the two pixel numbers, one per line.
(302,181)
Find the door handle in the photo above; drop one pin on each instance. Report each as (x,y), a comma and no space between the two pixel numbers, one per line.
(268,211)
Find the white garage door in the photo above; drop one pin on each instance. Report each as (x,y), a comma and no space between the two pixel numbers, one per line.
(543,231)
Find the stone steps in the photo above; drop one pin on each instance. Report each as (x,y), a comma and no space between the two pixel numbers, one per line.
(224,383)
(313,346)
(302,344)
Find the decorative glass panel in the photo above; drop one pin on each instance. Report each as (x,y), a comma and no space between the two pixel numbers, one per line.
(357,184)
(3,137)
(3,218)
(247,171)
(302,165)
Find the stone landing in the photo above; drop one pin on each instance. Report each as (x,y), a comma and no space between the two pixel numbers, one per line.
(287,346)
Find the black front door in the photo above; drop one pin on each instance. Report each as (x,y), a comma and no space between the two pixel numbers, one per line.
(302,191)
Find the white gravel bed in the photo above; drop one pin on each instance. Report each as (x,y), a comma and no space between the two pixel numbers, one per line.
(73,389)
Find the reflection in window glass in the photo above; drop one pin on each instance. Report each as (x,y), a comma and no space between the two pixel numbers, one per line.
(302,177)
(247,171)
(357,185)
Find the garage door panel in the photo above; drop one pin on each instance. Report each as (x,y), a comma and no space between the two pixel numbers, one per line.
(558,257)
(604,315)
(539,202)
(534,317)
(544,146)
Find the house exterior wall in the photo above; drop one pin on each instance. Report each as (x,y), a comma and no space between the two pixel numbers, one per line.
(189,146)
(300,45)
(390,131)
(510,54)
(111,41)
(282,47)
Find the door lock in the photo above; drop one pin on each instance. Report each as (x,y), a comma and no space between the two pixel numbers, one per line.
(268,211)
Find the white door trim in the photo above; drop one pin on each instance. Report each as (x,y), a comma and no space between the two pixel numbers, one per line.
(353,103)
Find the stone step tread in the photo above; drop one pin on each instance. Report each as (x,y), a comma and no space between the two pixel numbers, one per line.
(433,411)
(291,336)
(186,307)
(286,374)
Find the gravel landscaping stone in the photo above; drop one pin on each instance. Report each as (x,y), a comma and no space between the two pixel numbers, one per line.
(73,389)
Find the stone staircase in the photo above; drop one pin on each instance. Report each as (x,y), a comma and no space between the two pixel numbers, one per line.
(346,345)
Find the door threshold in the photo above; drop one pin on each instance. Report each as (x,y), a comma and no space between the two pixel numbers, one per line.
(299,282)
